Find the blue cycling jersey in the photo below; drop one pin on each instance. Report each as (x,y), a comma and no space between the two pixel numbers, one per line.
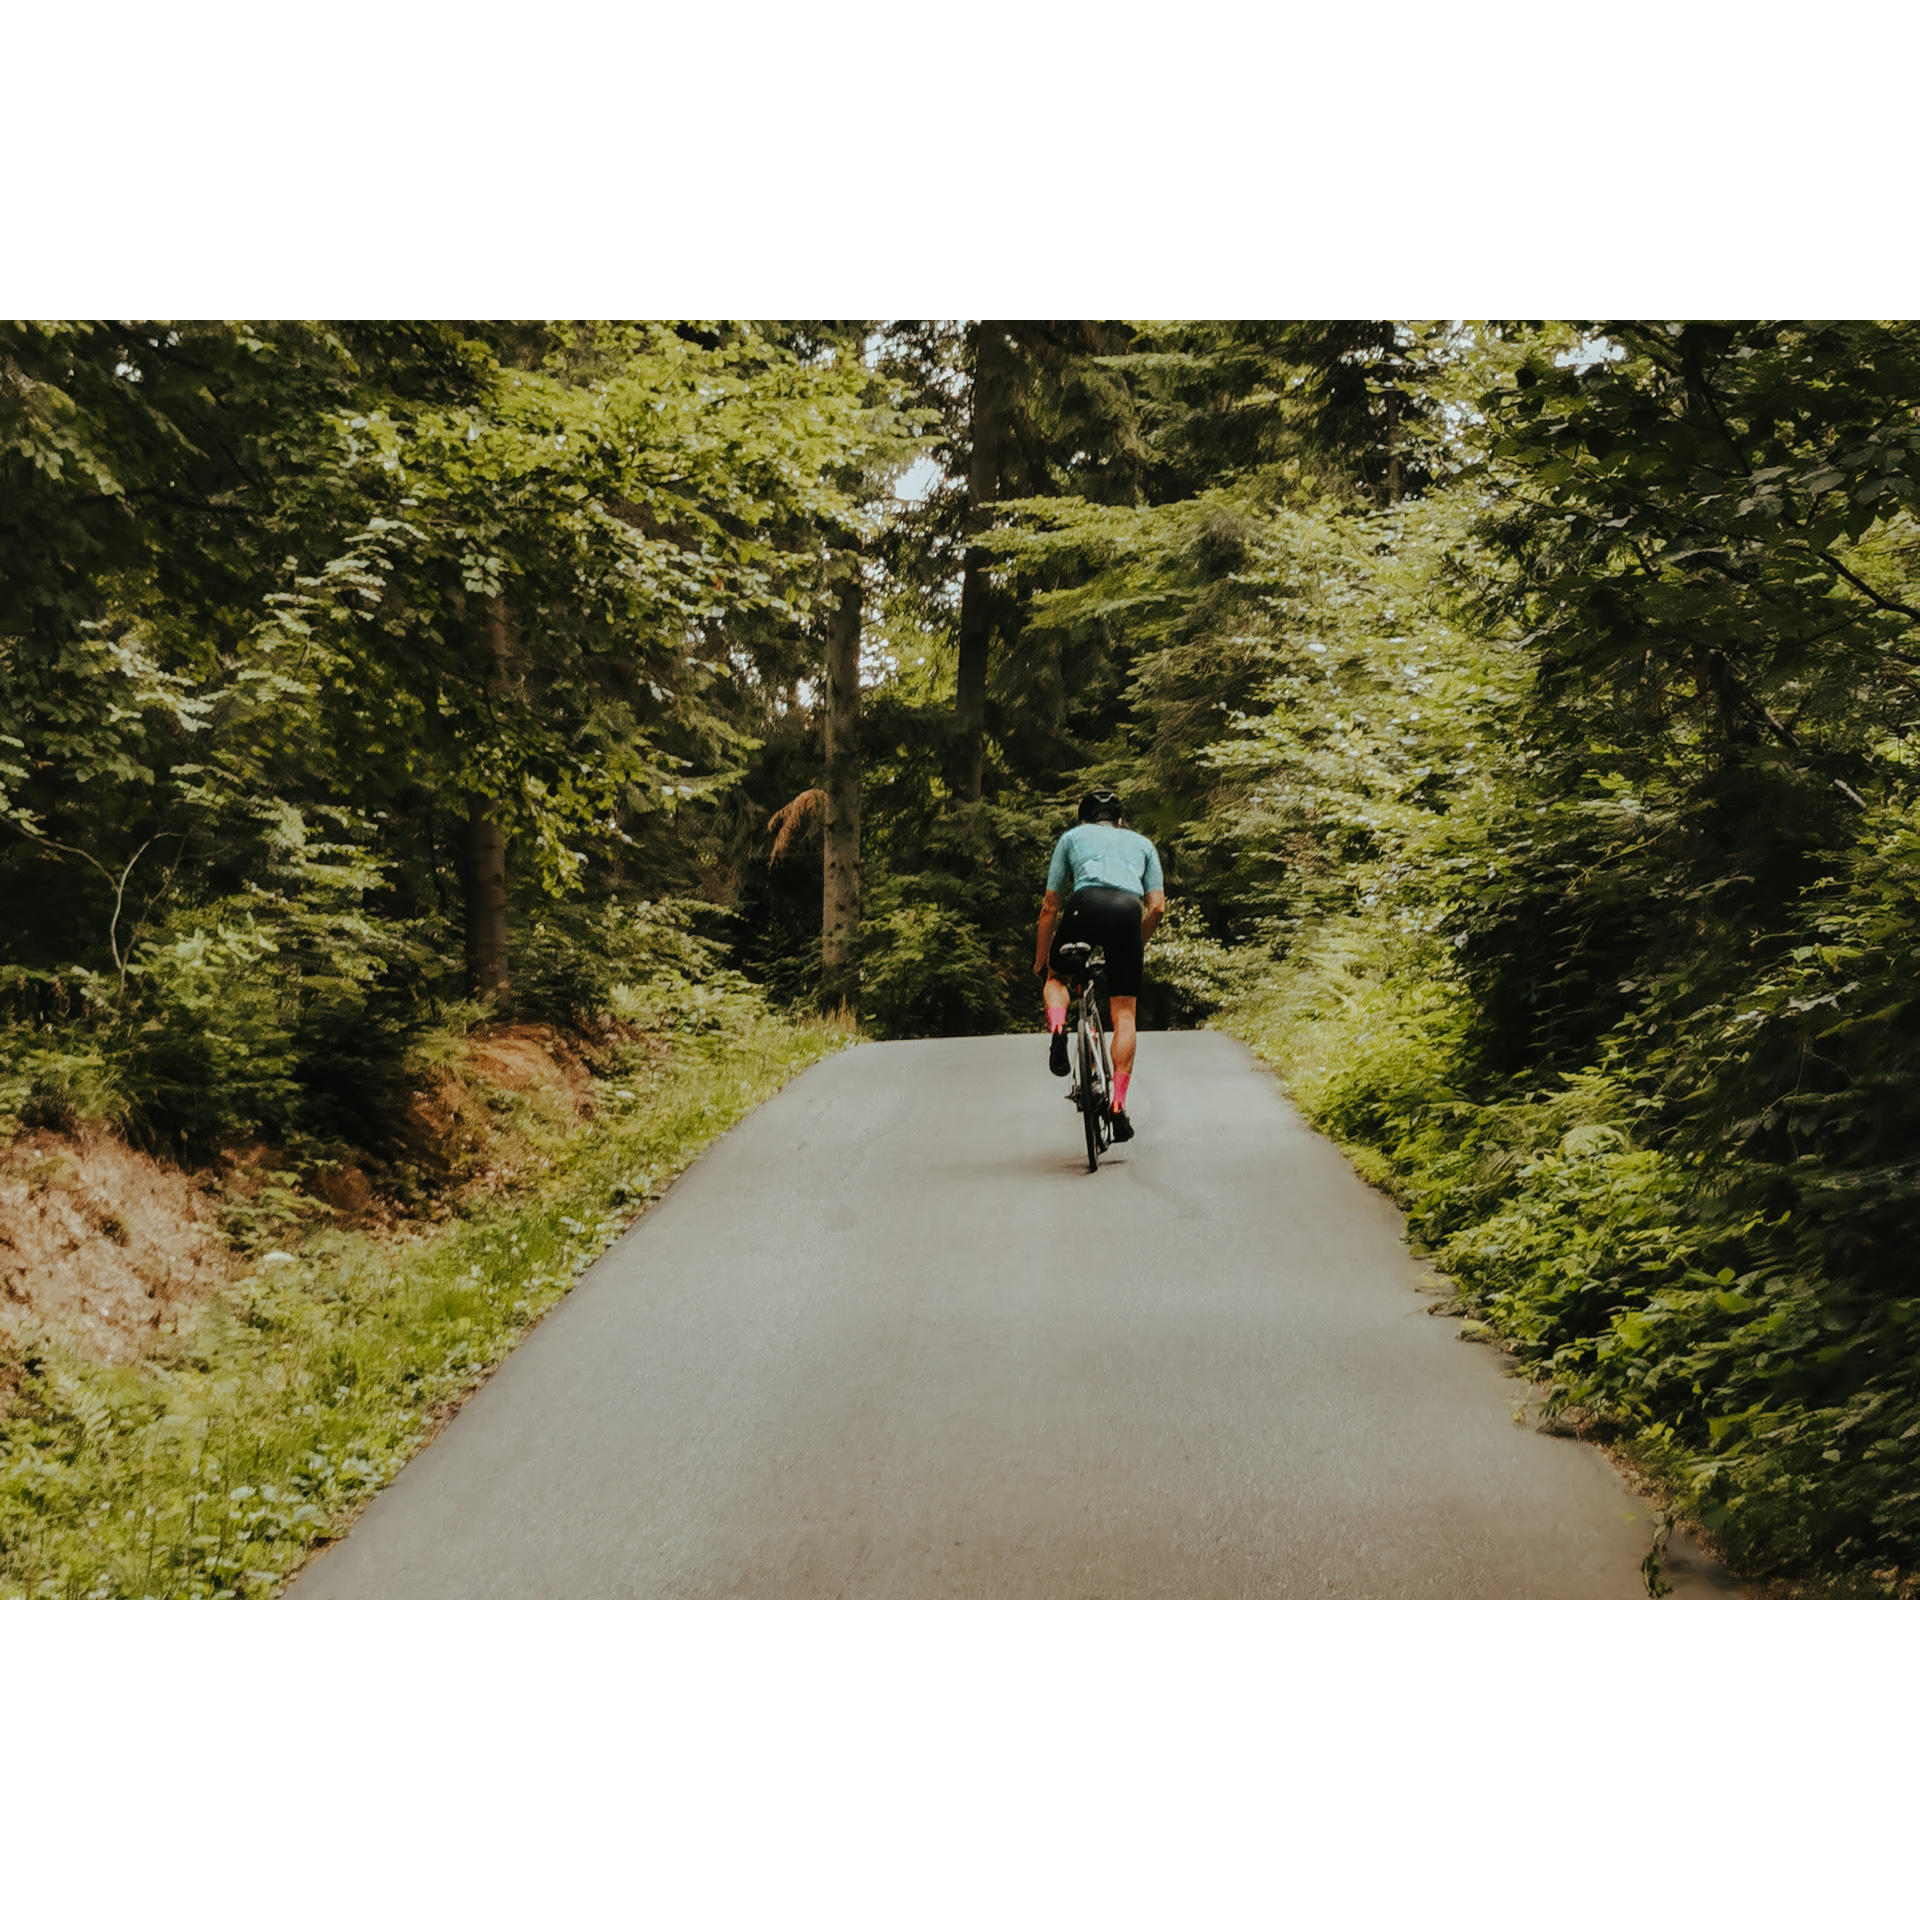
(1098,854)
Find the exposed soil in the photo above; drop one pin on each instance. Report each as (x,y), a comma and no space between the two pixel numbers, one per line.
(525,1058)
(453,1133)
(103,1248)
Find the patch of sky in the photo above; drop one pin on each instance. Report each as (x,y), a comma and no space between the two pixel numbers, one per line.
(1591,351)
(919,480)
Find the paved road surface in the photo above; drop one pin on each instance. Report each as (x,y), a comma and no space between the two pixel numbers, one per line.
(890,1338)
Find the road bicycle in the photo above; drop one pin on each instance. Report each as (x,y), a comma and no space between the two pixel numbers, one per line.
(1091,1089)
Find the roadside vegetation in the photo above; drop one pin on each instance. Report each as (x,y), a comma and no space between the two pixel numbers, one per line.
(1523,712)
(215,1464)
(1596,948)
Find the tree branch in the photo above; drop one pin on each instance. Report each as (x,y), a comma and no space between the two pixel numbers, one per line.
(1780,731)
(119,887)
(1879,599)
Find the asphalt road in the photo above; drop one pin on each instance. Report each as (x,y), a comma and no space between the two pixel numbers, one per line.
(890,1338)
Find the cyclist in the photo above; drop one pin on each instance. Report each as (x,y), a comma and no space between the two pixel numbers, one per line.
(1117,900)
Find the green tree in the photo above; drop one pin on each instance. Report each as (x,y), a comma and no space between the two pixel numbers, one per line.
(350,613)
(531,615)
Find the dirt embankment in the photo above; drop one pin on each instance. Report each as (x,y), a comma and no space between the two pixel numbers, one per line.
(104,1249)
(100,1246)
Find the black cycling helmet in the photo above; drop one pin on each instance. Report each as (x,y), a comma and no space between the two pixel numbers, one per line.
(1101,804)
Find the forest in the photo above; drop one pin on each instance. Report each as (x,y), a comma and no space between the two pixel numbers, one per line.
(1522,711)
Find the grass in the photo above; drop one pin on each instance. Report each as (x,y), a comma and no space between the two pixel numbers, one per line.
(296,1396)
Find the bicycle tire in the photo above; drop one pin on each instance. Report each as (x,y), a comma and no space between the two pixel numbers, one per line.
(1092,1092)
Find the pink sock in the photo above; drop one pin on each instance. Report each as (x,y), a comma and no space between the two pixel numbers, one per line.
(1120,1090)
(1056,1019)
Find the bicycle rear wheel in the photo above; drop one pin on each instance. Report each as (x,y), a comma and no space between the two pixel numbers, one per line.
(1093,1091)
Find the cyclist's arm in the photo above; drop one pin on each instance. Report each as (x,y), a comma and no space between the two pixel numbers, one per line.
(1049,912)
(1156,911)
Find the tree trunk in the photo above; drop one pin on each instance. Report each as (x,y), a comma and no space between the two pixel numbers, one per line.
(840,894)
(483,852)
(1393,446)
(976,613)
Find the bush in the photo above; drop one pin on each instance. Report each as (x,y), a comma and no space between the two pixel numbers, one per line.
(55,1077)
(207,1046)
(926,972)
(574,962)
(1193,975)
(197,1047)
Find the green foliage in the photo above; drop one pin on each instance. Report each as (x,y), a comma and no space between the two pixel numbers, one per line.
(55,1079)
(1194,974)
(270,1014)
(208,1053)
(576,964)
(282,608)
(926,971)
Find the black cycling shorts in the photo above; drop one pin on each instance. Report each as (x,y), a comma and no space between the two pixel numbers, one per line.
(1109,918)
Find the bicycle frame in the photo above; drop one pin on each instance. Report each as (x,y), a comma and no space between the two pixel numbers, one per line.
(1092,1066)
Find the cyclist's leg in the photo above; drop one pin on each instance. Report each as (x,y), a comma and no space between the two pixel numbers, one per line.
(1123,1033)
(1057,993)
(1120,932)
(1059,996)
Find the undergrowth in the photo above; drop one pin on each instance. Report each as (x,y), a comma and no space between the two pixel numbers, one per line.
(297,1395)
